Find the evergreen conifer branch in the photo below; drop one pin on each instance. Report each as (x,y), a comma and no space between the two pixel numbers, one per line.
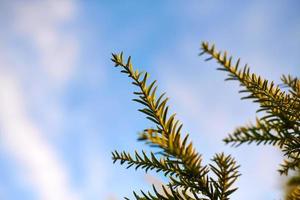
(178,159)
(276,103)
(226,172)
(280,123)
(167,134)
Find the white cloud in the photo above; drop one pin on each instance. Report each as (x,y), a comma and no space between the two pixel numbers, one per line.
(23,140)
(42,24)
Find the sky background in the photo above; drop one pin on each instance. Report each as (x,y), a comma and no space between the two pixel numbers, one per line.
(64,107)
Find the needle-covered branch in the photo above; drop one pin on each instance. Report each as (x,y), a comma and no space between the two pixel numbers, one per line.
(280,122)
(276,103)
(178,160)
(225,169)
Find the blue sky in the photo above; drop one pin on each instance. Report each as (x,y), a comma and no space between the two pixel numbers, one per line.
(64,107)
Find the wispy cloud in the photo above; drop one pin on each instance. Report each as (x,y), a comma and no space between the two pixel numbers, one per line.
(23,140)
(41,25)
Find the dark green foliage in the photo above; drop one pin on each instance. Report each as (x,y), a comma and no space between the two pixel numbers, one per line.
(280,121)
(175,157)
